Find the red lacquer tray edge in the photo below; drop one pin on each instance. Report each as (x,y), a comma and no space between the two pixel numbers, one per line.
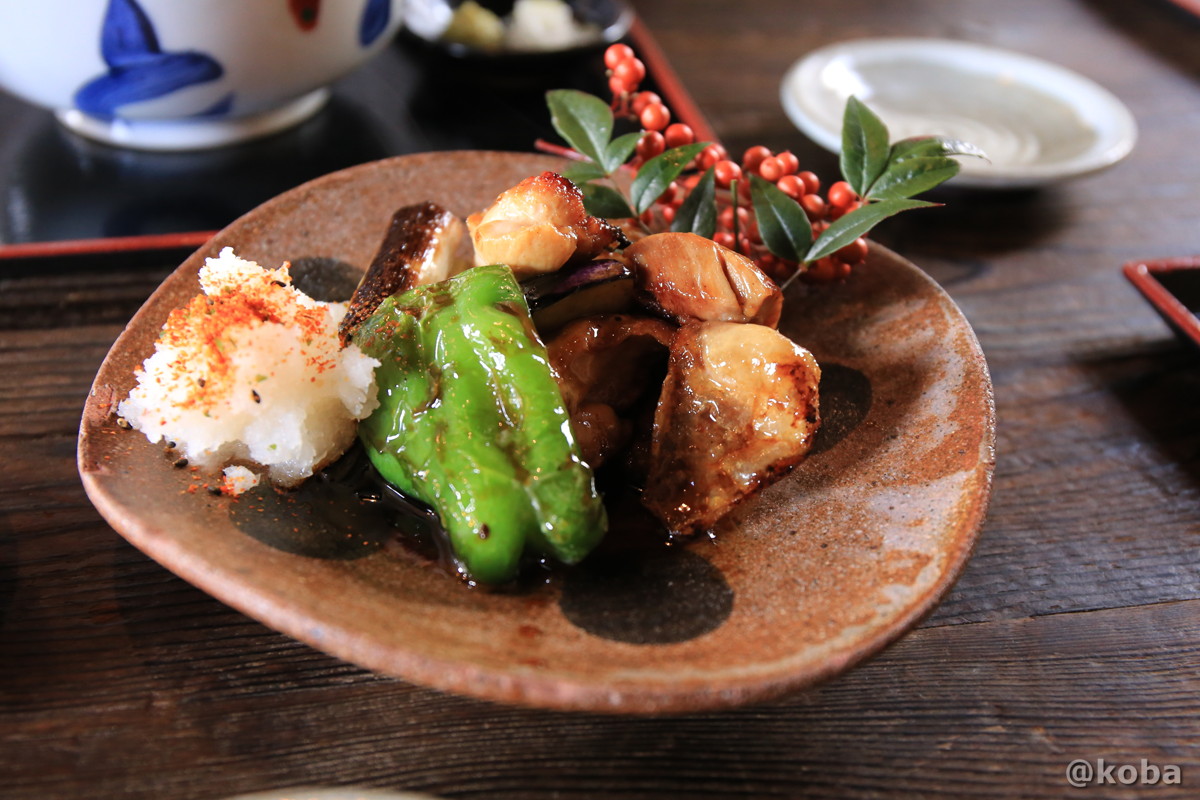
(1143,275)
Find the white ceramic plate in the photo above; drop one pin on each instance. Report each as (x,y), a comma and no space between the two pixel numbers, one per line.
(1037,122)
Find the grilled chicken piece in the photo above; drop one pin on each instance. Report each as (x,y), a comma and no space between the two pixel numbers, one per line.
(424,243)
(604,365)
(687,277)
(539,225)
(738,410)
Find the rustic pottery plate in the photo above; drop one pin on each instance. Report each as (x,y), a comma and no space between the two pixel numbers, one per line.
(820,571)
(1037,122)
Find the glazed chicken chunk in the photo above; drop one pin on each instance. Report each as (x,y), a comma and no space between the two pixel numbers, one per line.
(538,226)
(687,277)
(738,410)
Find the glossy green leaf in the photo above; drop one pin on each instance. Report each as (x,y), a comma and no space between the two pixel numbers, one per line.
(782,223)
(656,175)
(583,120)
(604,201)
(619,150)
(848,228)
(911,176)
(933,146)
(865,146)
(919,164)
(698,212)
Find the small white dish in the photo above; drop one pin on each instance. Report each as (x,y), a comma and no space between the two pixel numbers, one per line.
(1036,121)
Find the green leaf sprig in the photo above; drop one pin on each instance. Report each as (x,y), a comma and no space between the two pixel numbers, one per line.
(885,176)
(586,123)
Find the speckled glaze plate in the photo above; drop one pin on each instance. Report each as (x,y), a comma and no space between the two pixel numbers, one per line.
(818,572)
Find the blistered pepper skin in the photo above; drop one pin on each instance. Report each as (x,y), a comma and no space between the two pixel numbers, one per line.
(472,422)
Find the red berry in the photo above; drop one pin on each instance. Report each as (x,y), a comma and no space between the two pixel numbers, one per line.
(668,214)
(711,155)
(841,195)
(837,212)
(650,145)
(823,270)
(792,186)
(853,253)
(813,205)
(631,70)
(750,227)
(618,86)
(724,238)
(812,184)
(745,195)
(643,99)
(679,134)
(725,218)
(771,169)
(726,172)
(655,117)
(788,162)
(616,53)
(754,156)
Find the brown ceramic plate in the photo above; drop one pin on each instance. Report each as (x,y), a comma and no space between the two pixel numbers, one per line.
(815,574)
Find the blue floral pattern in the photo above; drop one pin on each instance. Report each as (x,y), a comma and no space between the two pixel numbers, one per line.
(138,69)
(375,18)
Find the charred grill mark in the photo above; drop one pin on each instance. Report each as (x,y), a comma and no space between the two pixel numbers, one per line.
(412,234)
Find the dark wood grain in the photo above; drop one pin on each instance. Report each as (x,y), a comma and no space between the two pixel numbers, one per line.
(1072,634)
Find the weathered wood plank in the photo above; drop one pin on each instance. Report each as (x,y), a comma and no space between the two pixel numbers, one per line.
(951,712)
(1072,634)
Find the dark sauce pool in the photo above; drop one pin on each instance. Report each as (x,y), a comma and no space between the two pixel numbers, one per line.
(638,586)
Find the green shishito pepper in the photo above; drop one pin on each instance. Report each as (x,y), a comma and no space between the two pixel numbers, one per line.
(471,421)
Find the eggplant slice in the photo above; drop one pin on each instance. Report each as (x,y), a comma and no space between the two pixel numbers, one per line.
(603,286)
(424,244)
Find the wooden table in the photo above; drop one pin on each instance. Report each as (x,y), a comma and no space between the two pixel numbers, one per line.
(1074,633)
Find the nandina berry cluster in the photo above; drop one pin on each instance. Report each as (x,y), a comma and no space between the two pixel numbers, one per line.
(736,228)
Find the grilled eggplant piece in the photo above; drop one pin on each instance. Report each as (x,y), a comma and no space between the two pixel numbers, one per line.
(424,244)
(684,277)
(604,365)
(738,410)
(603,286)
